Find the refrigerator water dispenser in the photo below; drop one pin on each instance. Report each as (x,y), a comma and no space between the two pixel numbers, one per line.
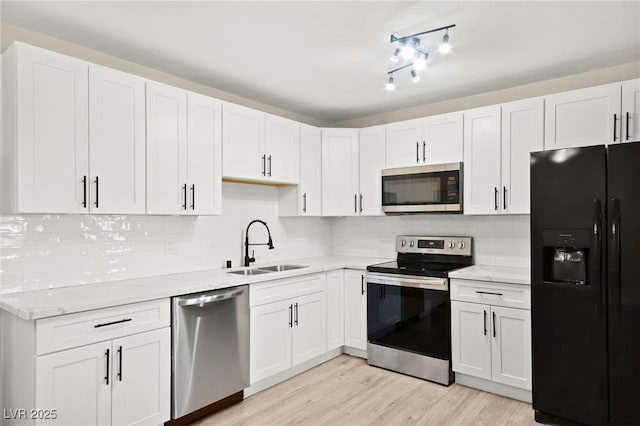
(565,256)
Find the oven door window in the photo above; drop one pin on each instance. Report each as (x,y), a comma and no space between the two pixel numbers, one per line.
(410,319)
(421,189)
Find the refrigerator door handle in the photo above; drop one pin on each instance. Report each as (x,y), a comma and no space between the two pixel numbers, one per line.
(614,257)
(596,244)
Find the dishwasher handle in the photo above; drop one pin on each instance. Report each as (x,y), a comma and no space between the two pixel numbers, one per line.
(203,300)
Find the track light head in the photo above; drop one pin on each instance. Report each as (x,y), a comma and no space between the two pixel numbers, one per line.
(396,55)
(409,46)
(390,86)
(414,76)
(421,63)
(445,47)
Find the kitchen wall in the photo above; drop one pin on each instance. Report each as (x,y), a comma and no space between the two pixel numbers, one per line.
(497,240)
(49,251)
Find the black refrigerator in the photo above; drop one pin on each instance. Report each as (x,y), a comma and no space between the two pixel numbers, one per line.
(585,285)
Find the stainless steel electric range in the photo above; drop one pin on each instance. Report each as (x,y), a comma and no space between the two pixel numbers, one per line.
(408,306)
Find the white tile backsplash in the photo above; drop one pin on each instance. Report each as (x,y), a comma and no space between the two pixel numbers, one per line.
(50,251)
(497,240)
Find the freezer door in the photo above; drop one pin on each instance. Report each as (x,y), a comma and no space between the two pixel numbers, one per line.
(624,282)
(568,306)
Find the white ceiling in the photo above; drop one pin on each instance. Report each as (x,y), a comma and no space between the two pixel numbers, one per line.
(328,59)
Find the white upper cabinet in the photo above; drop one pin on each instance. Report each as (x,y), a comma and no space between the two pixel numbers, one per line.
(45,111)
(204,155)
(631,111)
(167,190)
(404,143)
(259,147)
(305,199)
(372,161)
(431,140)
(522,134)
(482,160)
(117,142)
(583,117)
(242,143)
(282,150)
(184,158)
(497,144)
(340,174)
(442,137)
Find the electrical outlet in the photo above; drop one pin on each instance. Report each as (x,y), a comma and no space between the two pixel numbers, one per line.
(171,247)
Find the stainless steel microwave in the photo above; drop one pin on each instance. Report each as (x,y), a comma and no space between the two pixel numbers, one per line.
(435,188)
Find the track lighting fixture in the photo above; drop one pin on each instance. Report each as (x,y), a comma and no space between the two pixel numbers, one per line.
(408,49)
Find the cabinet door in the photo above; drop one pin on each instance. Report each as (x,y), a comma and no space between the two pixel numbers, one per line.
(52,132)
(282,147)
(511,346)
(442,136)
(335,309)
(310,171)
(522,134)
(404,144)
(309,330)
(166,149)
(355,309)
(470,339)
(270,333)
(117,140)
(372,151)
(74,382)
(631,111)
(582,117)
(243,143)
(340,158)
(204,155)
(482,161)
(142,378)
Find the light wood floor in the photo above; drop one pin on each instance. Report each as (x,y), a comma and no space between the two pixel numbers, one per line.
(347,391)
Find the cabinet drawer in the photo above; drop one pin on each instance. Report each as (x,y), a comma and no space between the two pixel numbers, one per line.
(273,291)
(492,293)
(68,331)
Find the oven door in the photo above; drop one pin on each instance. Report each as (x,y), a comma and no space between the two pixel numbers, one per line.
(410,314)
(432,188)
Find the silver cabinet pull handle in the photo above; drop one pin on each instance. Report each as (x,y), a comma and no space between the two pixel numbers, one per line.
(485,322)
(504,197)
(417,152)
(304,202)
(269,165)
(264,165)
(615,125)
(184,196)
(355,203)
(628,119)
(424,151)
(495,198)
(360,203)
(193,196)
(296,320)
(494,324)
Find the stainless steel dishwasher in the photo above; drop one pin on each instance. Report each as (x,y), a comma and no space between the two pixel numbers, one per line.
(210,348)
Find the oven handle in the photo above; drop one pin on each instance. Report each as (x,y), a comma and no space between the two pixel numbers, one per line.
(409,281)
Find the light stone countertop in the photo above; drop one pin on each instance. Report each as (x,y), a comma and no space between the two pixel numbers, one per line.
(503,274)
(66,300)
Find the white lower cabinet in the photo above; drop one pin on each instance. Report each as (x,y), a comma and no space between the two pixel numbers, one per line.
(121,382)
(489,341)
(108,366)
(288,324)
(355,309)
(335,309)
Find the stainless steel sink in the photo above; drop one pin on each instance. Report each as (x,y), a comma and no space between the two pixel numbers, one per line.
(266,269)
(254,271)
(280,268)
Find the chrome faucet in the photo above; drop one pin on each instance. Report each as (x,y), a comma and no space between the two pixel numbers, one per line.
(247,259)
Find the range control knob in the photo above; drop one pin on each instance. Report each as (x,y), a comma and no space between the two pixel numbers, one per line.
(451,244)
(403,243)
(412,243)
(461,245)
